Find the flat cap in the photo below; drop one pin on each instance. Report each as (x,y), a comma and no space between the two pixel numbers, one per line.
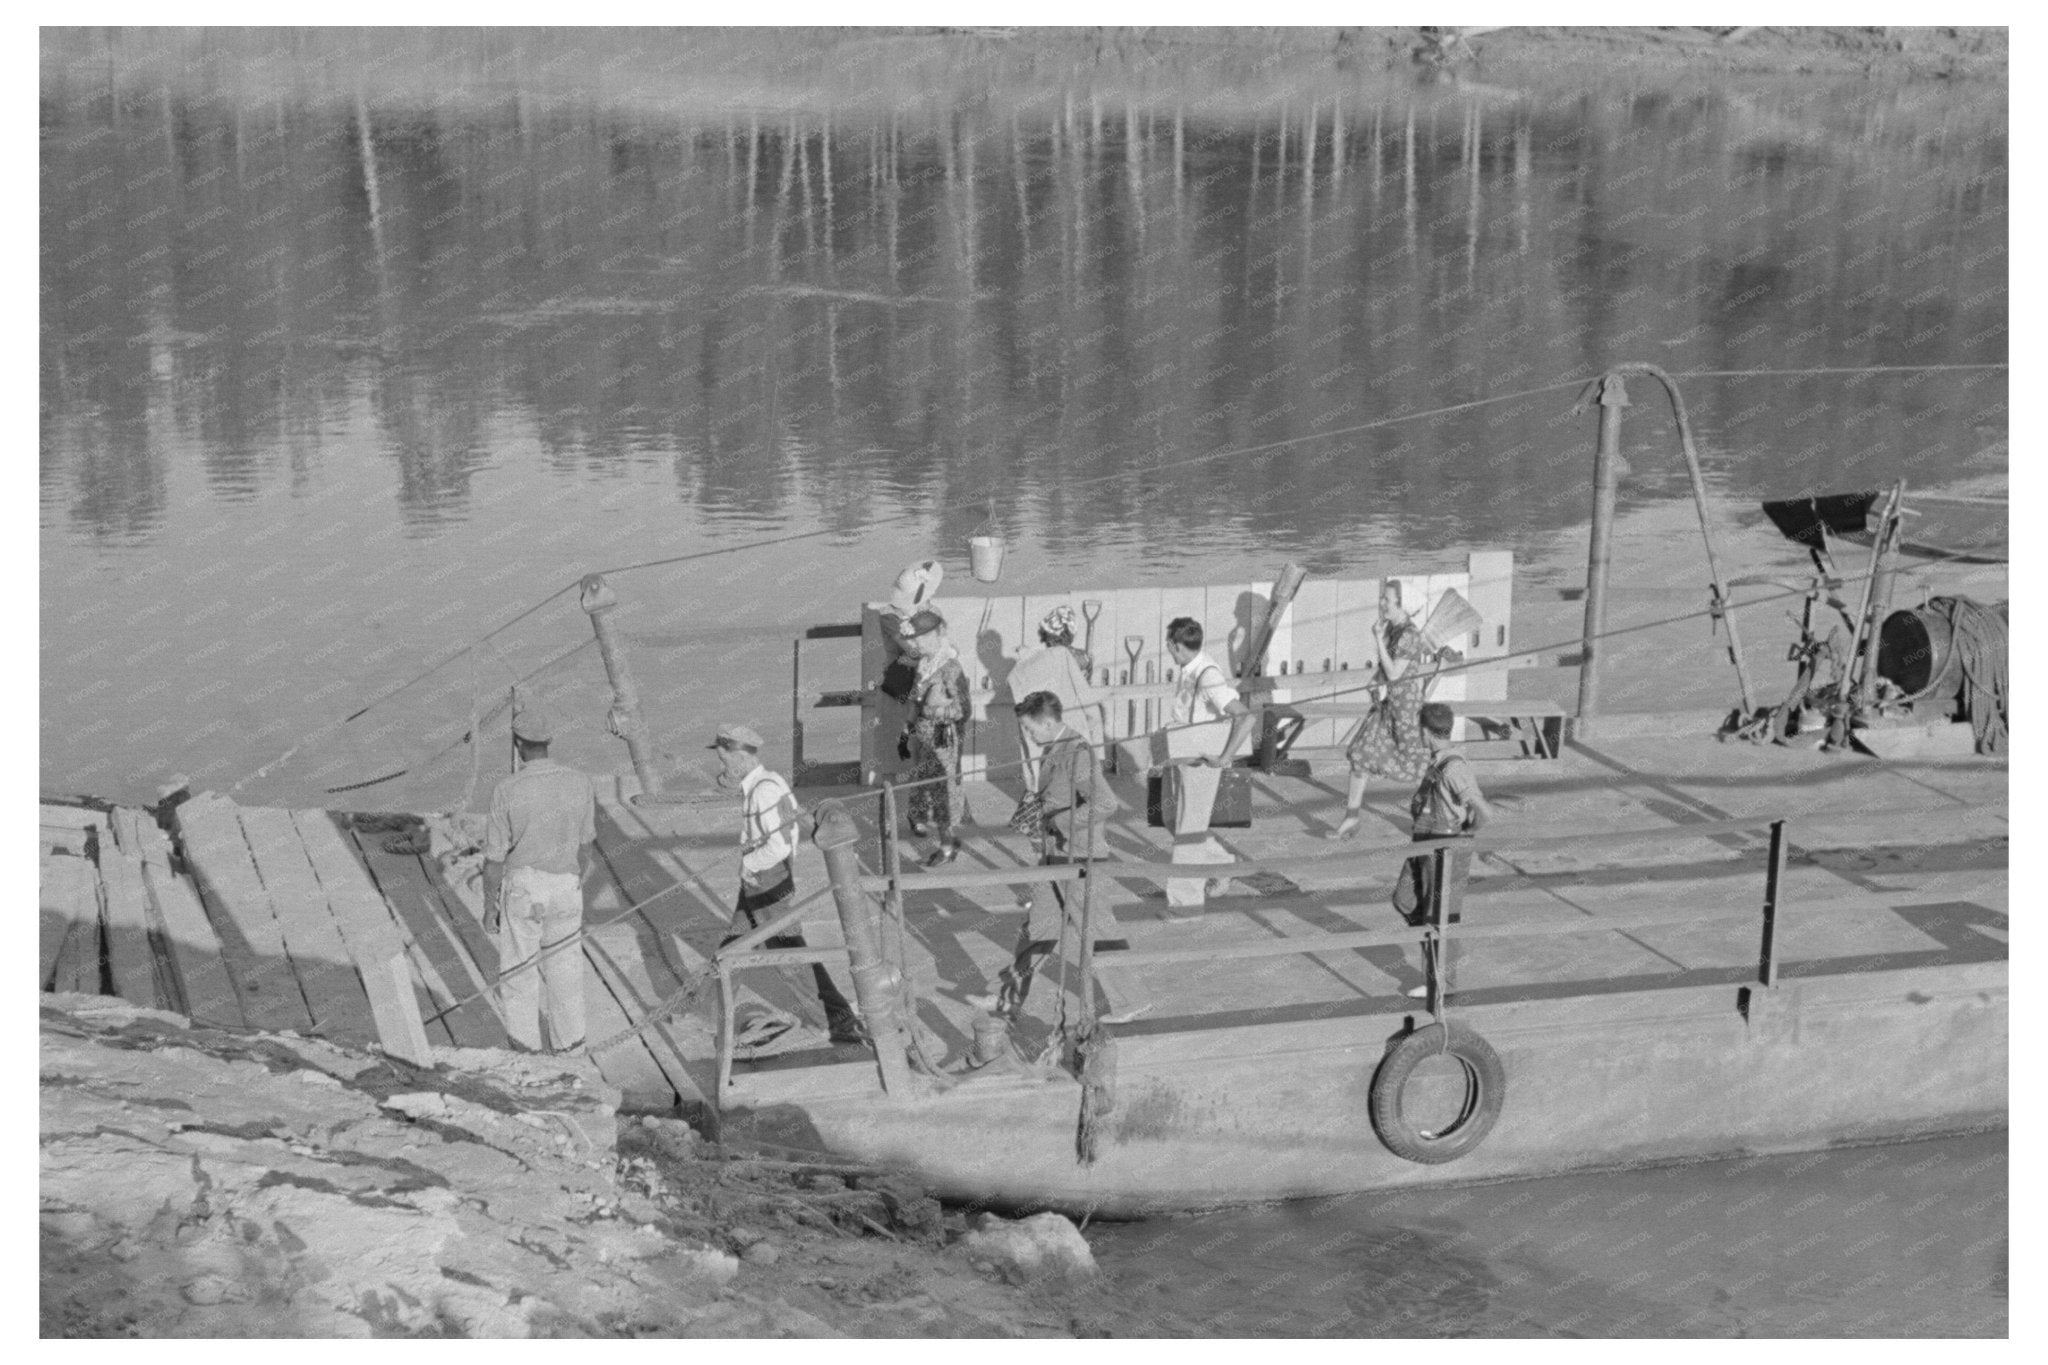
(533,725)
(736,737)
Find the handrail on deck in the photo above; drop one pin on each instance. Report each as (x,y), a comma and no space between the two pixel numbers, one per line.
(1451,856)
(1314,862)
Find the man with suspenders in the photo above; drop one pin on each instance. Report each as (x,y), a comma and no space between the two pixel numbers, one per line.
(768,836)
(1202,694)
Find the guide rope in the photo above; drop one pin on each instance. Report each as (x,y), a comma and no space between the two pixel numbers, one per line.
(1136,471)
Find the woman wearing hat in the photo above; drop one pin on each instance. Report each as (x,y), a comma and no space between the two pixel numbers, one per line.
(939,705)
(1066,672)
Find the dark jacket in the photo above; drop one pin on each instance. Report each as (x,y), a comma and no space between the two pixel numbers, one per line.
(1071,785)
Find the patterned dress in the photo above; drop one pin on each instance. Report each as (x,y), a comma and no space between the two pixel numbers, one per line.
(939,705)
(1389,742)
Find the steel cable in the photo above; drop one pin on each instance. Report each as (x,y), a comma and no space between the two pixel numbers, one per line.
(1265,449)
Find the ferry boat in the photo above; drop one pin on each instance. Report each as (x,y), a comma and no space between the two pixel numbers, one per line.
(1673,947)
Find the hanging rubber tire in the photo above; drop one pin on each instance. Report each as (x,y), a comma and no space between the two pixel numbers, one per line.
(1486,1087)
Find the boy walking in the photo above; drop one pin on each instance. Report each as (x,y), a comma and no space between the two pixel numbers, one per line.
(1078,804)
(1447,805)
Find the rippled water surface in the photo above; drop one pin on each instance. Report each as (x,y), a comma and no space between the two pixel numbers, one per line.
(1904,1241)
(353,346)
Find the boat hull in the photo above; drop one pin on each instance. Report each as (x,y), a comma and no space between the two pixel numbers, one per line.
(1210,1118)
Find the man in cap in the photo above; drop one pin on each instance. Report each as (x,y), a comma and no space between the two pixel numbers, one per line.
(542,818)
(768,835)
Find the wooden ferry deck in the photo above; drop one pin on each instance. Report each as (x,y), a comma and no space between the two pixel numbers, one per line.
(298,920)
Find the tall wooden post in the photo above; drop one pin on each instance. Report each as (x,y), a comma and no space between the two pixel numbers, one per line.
(1884,557)
(598,600)
(1599,552)
(877,985)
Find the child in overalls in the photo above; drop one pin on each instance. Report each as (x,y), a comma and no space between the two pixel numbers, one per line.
(1447,804)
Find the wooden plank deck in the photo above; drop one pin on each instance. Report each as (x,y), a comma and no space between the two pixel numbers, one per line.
(647,957)
(126,915)
(187,949)
(252,943)
(372,938)
(205,991)
(70,934)
(326,971)
(646,854)
(608,997)
(450,953)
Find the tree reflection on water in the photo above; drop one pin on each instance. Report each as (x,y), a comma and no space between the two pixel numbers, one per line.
(836,308)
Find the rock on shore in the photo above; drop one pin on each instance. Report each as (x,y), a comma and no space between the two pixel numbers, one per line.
(197,1182)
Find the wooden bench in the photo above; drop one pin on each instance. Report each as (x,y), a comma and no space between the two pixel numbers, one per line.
(1537,728)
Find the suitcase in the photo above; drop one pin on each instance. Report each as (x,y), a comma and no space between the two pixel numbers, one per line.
(1233,808)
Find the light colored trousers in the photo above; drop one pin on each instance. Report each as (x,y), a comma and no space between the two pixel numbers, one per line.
(541,910)
(1192,841)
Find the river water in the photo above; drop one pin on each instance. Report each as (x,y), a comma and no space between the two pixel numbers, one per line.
(356,345)
(1901,1241)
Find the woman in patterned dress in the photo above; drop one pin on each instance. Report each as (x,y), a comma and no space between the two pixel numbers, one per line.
(939,705)
(1389,742)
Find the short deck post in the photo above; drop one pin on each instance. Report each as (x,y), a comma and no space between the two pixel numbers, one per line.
(1087,928)
(1774,874)
(877,984)
(1445,906)
(892,864)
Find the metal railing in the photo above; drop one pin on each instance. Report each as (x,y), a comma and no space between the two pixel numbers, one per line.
(1433,930)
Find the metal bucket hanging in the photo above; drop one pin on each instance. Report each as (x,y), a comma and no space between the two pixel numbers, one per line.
(985,549)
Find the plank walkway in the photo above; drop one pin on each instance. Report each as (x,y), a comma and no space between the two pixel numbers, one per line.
(301,920)
(271,919)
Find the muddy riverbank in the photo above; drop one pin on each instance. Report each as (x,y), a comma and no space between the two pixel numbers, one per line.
(196,1182)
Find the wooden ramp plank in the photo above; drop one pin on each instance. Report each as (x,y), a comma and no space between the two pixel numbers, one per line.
(440,951)
(138,836)
(252,944)
(657,948)
(131,960)
(684,926)
(72,817)
(334,992)
(71,829)
(70,935)
(54,918)
(372,939)
(192,951)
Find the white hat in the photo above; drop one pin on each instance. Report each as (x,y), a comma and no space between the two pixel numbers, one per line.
(916,586)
